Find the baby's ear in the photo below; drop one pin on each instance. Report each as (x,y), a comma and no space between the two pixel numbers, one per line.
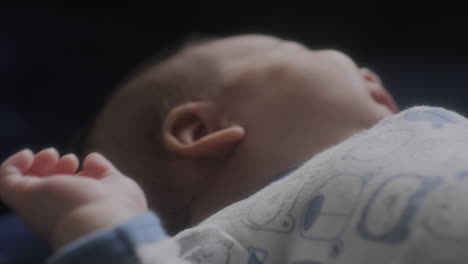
(377,90)
(198,130)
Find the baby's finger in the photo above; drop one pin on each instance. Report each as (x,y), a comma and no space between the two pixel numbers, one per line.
(19,162)
(96,166)
(14,187)
(44,162)
(67,164)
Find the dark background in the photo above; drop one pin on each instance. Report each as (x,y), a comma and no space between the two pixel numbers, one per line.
(58,64)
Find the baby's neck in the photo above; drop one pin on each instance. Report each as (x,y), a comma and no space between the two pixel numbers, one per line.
(239,177)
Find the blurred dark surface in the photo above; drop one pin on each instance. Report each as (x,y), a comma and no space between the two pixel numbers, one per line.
(57,65)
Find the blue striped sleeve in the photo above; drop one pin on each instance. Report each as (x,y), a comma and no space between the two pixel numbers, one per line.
(116,245)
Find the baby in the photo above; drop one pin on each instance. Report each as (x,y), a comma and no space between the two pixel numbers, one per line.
(244,148)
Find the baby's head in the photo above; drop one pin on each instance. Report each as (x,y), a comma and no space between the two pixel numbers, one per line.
(219,120)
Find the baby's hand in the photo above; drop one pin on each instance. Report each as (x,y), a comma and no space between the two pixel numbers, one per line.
(61,205)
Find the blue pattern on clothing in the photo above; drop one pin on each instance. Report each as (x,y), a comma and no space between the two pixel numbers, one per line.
(438,117)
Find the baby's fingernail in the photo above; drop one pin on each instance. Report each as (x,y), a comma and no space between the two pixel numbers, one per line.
(52,149)
(24,150)
(240,128)
(100,157)
(15,156)
(10,169)
(70,156)
(11,164)
(103,160)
